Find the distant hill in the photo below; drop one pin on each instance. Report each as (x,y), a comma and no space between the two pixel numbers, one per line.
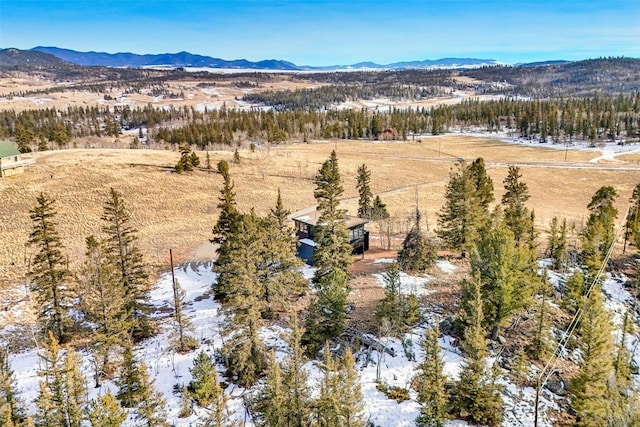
(181,59)
(603,75)
(29,60)
(186,59)
(543,63)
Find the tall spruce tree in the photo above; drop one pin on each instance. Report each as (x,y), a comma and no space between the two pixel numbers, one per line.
(225,226)
(505,270)
(270,403)
(557,243)
(239,276)
(294,377)
(432,394)
(227,206)
(62,394)
(482,185)
(589,388)
(121,244)
(633,218)
(351,412)
(379,210)
(183,340)
(365,200)
(468,195)
(130,379)
(331,257)
(599,232)
(11,407)
(516,215)
(476,394)
(333,251)
(327,410)
(417,254)
(278,263)
(151,410)
(104,302)
(204,385)
(390,306)
(105,411)
(49,272)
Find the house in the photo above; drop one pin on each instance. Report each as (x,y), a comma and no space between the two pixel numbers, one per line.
(388,134)
(304,225)
(11,161)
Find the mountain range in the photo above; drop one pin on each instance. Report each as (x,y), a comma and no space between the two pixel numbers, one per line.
(186,59)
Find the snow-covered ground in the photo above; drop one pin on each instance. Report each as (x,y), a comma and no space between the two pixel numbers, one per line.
(169,368)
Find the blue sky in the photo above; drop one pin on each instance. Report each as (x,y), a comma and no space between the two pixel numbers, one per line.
(329,32)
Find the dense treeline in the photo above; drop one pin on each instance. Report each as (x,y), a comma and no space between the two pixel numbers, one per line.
(594,119)
(326,97)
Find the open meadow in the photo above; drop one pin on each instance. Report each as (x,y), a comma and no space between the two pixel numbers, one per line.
(178,211)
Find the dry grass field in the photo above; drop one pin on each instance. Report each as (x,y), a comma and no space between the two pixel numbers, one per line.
(187,92)
(178,211)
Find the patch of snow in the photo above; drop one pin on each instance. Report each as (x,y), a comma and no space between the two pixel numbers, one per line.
(410,285)
(384,261)
(446,266)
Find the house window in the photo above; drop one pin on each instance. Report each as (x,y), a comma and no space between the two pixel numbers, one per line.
(357,233)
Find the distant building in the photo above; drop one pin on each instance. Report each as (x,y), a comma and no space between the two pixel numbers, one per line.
(304,225)
(11,161)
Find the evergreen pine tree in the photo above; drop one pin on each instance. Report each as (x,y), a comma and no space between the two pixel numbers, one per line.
(184,342)
(151,408)
(204,386)
(49,272)
(505,271)
(365,202)
(278,264)
(239,276)
(416,255)
(589,388)
(186,161)
(476,394)
(432,395)
(557,243)
(516,215)
(390,306)
(573,291)
(468,195)
(62,390)
(121,244)
(599,232)
(105,411)
(76,389)
(333,251)
(103,300)
(270,406)
(130,380)
(482,186)
(207,162)
(227,206)
(633,218)
(540,344)
(327,411)
(11,408)
(328,310)
(226,224)
(294,376)
(331,257)
(351,412)
(379,210)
